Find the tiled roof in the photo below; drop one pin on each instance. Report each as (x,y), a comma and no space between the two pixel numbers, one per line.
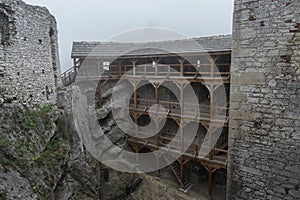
(117,49)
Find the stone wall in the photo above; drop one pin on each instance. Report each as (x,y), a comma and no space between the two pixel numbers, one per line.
(29,63)
(264,114)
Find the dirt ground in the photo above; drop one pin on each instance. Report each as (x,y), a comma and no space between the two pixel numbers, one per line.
(167,188)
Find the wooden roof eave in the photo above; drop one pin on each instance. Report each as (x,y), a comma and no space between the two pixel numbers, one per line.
(222,52)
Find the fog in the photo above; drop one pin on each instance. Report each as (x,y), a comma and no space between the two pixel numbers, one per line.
(99,20)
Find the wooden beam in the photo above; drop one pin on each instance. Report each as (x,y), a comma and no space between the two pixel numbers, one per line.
(157,132)
(181,170)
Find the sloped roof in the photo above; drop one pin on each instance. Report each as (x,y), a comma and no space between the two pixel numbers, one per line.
(117,49)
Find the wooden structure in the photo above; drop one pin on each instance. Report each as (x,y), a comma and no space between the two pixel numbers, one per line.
(210,69)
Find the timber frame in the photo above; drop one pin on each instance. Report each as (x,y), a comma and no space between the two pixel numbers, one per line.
(211,69)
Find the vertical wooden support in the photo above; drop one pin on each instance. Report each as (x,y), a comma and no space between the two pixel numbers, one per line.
(181,170)
(213,65)
(182,99)
(134,66)
(155,62)
(135,115)
(145,70)
(156,94)
(156,68)
(156,131)
(75,65)
(210,170)
(136,127)
(209,128)
(169,71)
(181,62)
(120,68)
(211,95)
(135,93)
(210,132)
(156,86)
(212,69)
(181,138)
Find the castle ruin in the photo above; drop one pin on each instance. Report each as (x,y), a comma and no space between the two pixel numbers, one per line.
(29,61)
(261,152)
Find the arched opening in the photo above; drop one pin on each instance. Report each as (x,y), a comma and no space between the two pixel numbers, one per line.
(168,132)
(201,92)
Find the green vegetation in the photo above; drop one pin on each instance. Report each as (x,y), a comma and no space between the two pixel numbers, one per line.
(34,117)
(23,132)
(23,125)
(3,194)
(47,108)
(5,40)
(5,142)
(55,149)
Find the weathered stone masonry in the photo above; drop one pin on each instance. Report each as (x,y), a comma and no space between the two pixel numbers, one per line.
(265,88)
(29,62)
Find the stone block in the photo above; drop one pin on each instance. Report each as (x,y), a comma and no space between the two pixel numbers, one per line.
(239,96)
(251,170)
(240,114)
(251,78)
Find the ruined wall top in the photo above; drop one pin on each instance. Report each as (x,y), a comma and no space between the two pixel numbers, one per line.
(29,61)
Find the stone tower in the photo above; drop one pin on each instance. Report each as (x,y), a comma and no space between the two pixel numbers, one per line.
(29,63)
(265,89)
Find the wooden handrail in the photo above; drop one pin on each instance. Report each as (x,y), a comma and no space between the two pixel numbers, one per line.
(68,77)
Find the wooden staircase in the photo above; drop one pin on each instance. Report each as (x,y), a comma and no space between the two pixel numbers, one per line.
(68,77)
(184,180)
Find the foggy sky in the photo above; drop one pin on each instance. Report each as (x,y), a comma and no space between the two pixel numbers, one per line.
(99,20)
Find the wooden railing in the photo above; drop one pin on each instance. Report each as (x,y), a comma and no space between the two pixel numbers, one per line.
(174,108)
(169,71)
(69,76)
(173,143)
(205,71)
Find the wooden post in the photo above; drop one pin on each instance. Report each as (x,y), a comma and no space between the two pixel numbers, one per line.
(210,132)
(181,138)
(181,62)
(134,66)
(212,69)
(156,131)
(75,65)
(156,94)
(181,170)
(211,95)
(135,94)
(182,99)
(155,61)
(120,68)
(156,85)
